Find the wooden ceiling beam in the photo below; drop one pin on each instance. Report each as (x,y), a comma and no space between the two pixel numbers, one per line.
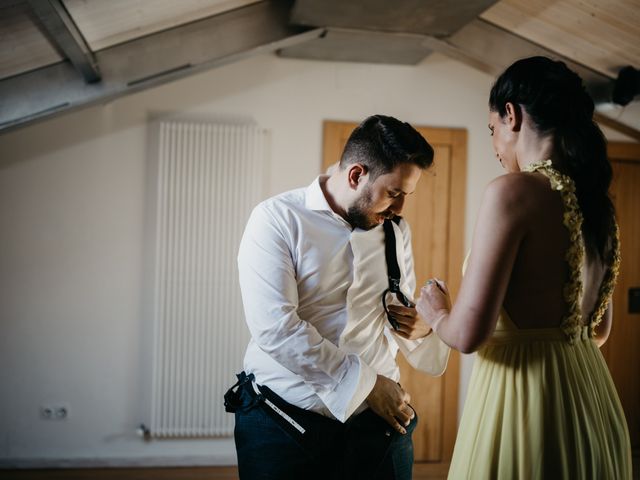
(617,126)
(62,31)
(491,49)
(150,61)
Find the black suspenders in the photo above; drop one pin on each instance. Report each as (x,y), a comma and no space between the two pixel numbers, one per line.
(393,270)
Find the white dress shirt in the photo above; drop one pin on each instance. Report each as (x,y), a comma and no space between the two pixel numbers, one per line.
(312,289)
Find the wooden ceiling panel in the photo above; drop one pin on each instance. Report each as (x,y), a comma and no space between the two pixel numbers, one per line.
(424,17)
(603,35)
(107,23)
(23,47)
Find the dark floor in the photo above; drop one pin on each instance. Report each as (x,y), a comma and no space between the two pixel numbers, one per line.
(422,471)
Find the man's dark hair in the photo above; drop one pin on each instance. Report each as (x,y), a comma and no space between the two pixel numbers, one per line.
(381,143)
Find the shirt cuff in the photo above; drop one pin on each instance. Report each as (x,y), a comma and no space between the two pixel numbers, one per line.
(351,391)
(428,354)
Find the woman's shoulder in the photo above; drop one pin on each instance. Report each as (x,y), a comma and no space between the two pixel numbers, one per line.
(519,180)
(518,190)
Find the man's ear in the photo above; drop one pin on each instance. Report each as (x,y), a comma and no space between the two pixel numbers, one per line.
(356,174)
(513,116)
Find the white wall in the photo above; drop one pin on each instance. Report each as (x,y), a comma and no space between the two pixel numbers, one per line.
(71,235)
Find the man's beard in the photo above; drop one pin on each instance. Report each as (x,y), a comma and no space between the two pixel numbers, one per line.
(359,214)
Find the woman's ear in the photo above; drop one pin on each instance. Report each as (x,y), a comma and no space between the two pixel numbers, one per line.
(513,115)
(356,174)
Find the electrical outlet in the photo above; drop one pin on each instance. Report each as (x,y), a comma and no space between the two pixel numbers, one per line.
(54,411)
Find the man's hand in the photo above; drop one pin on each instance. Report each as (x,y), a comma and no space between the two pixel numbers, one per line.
(388,400)
(410,324)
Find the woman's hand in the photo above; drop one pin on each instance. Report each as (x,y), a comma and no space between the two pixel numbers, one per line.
(434,303)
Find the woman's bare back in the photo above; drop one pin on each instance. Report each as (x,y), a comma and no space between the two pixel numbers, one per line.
(534,296)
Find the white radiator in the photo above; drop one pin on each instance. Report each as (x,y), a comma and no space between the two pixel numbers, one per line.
(209,177)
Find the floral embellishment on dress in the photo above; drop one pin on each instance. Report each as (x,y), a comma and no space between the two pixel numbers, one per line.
(572,219)
(572,323)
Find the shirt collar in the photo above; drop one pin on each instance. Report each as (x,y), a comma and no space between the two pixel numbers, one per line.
(314,197)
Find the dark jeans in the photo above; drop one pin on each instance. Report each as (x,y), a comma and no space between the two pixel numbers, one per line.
(365,447)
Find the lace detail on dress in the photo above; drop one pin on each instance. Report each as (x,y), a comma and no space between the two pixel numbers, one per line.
(572,324)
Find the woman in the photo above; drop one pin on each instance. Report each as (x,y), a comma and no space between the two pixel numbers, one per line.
(535,298)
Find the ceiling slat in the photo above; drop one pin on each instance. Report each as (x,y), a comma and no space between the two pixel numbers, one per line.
(601,34)
(107,23)
(23,47)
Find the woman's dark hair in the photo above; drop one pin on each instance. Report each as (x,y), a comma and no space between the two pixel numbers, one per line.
(381,143)
(557,102)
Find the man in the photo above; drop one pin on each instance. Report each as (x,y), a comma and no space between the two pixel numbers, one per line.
(319,397)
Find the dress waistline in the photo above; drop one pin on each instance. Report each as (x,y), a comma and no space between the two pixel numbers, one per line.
(529,335)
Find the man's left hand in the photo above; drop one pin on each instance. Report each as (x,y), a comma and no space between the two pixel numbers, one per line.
(410,324)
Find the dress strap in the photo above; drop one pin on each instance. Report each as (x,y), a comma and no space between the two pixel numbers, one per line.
(572,323)
(609,282)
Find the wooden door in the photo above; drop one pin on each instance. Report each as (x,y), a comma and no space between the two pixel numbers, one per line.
(435,213)
(621,350)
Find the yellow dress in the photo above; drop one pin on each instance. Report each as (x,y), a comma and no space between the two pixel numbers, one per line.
(541,403)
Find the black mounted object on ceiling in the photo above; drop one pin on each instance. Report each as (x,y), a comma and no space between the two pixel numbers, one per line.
(626,86)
